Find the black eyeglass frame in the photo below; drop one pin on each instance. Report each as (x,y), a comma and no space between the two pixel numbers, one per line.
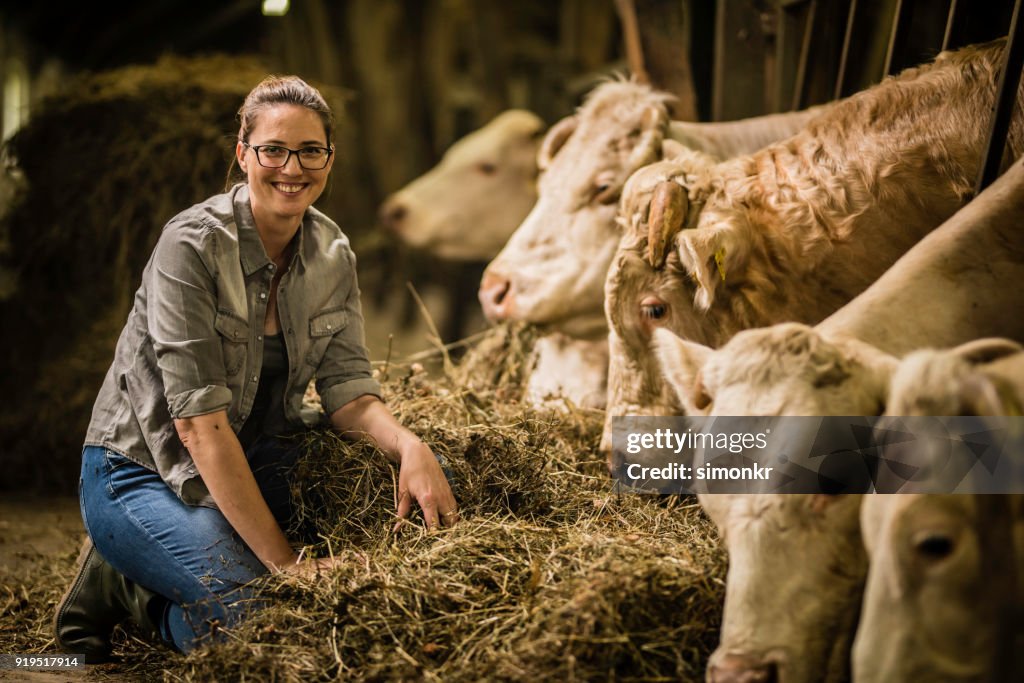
(259,159)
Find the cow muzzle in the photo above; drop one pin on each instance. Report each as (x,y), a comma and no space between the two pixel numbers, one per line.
(495,296)
(392,214)
(736,668)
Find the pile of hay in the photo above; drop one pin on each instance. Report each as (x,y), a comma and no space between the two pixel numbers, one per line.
(551,573)
(100,168)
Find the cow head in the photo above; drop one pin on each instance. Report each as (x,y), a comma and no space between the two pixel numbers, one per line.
(930,382)
(786,369)
(796,565)
(467,206)
(939,599)
(796,573)
(668,272)
(658,191)
(552,269)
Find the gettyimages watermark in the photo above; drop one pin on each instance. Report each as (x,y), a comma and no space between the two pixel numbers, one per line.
(819,454)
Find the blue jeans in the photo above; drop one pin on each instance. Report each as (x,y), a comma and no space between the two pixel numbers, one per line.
(189,555)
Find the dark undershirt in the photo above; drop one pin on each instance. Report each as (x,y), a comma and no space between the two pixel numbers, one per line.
(267,414)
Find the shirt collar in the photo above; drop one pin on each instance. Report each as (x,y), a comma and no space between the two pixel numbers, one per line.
(250,247)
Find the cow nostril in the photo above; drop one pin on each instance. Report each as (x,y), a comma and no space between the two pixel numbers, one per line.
(501,291)
(392,214)
(495,296)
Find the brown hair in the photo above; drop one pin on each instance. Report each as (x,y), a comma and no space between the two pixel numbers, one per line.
(279,90)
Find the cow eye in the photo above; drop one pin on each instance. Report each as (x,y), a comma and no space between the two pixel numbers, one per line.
(653,308)
(653,311)
(934,546)
(487,168)
(606,194)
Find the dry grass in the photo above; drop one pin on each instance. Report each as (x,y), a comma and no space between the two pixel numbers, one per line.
(551,575)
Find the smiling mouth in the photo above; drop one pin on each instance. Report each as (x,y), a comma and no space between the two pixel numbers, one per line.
(290,188)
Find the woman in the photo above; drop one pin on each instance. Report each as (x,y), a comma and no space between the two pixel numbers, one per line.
(246,296)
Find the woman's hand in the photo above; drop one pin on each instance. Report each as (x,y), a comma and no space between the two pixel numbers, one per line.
(306,568)
(420,478)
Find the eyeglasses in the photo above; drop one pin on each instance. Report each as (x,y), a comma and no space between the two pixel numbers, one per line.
(276,156)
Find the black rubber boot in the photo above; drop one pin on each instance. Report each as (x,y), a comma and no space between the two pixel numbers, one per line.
(97,600)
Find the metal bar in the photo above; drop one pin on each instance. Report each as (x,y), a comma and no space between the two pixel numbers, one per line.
(786,58)
(805,54)
(1006,98)
(841,75)
(950,23)
(892,38)
(895,57)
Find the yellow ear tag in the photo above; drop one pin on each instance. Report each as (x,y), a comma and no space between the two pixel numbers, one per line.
(720,262)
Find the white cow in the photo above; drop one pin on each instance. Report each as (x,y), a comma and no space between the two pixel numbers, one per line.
(796,230)
(467,206)
(944,569)
(950,288)
(939,604)
(552,271)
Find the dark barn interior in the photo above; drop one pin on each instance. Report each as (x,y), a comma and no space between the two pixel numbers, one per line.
(116,117)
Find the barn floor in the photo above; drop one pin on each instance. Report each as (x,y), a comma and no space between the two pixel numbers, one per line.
(37,535)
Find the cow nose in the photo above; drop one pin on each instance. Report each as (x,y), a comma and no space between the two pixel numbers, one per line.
(392,213)
(742,669)
(495,297)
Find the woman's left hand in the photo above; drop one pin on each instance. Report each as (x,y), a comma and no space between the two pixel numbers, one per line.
(420,478)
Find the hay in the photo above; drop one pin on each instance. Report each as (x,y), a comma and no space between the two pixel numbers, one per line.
(551,575)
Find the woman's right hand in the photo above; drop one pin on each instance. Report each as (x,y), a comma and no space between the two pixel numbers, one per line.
(307,568)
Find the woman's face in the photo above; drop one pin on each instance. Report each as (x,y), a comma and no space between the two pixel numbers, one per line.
(285,192)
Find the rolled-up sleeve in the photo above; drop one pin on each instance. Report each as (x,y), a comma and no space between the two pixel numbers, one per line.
(182,310)
(344,373)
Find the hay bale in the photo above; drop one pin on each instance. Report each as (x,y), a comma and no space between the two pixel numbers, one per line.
(102,166)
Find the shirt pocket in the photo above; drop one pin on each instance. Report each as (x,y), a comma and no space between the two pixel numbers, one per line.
(322,328)
(234,336)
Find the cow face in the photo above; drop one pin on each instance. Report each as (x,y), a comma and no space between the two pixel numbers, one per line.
(948,382)
(467,206)
(796,572)
(939,598)
(552,270)
(648,286)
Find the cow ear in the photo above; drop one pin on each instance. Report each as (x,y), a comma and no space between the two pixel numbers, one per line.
(681,362)
(712,257)
(672,149)
(651,132)
(554,140)
(987,350)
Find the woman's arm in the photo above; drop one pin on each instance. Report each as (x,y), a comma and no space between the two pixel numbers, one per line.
(222,464)
(420,477)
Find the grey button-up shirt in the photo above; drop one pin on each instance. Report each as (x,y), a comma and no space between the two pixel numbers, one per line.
(193,343)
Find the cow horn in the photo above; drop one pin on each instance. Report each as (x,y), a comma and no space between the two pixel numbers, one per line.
(669,205)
